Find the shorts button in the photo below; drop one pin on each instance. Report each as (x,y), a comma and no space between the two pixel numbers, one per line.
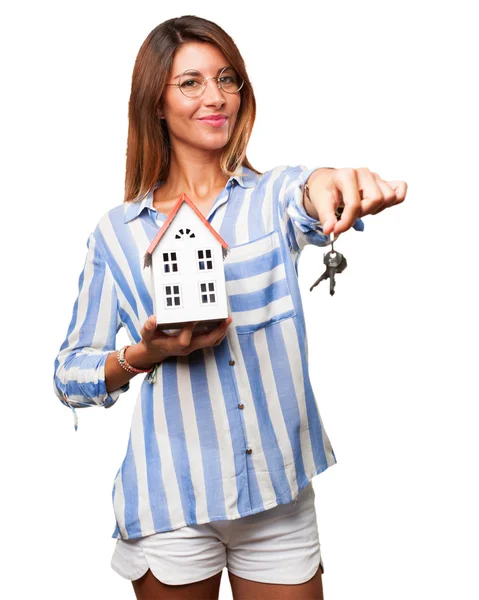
(249,451)
(241,406)
(232,362)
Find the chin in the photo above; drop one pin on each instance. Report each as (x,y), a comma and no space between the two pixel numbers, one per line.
(209,143)
(218,145)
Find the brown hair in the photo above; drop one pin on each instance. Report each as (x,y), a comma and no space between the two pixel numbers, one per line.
(148,149)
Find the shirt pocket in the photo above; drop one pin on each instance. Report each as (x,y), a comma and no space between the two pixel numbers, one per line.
(256,284)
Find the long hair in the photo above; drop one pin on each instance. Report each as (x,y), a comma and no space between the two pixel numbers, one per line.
(148,148)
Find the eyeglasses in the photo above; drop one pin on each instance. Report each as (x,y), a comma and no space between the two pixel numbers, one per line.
(192,83)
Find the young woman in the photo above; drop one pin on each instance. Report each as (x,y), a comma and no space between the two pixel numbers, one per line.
(226,435)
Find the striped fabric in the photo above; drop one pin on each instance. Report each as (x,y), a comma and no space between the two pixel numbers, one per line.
(226,431)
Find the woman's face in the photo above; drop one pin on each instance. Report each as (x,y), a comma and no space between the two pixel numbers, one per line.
(183,114)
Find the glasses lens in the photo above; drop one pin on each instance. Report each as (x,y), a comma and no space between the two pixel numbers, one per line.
(230,81)
(191,83)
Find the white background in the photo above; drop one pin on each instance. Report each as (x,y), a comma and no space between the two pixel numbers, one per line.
(391,86)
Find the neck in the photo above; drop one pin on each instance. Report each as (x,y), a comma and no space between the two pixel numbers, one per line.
(195,172)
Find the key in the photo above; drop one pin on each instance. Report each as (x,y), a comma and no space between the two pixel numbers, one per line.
(335,263)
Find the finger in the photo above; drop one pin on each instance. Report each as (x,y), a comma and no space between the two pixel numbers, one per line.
(209,338)
(217,332)
(326,212)
(394,192)
(347,183)
(389,196)
(373,198)
(148,331)
(400,189)
(220,339)
(326,200)
(185,335)
(223,328)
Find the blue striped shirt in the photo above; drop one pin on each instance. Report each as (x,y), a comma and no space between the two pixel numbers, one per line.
(226,431)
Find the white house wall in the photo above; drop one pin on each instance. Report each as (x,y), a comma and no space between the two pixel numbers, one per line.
(189,276)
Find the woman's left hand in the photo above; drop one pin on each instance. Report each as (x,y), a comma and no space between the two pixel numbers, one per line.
(360,191)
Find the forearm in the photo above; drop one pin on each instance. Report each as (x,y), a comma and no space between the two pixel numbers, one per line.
(115,375)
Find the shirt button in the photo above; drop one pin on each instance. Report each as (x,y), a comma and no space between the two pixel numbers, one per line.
(241,406)
(249,451)
(232,362)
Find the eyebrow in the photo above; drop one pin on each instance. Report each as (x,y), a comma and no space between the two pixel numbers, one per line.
(218,71)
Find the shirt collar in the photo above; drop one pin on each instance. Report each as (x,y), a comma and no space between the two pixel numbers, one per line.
(246,178)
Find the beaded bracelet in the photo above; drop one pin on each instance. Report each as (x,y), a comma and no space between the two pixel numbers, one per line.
(126,365)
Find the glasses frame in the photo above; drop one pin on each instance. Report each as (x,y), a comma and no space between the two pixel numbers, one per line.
(205,79)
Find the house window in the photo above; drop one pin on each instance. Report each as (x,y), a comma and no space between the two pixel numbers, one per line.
(205,260)
(207,292)
(172,296)
(184,231)
(170,262)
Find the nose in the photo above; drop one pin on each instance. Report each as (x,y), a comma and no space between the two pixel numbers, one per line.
(212,92)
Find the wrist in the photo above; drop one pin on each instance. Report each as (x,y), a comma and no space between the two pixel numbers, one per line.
(137,357)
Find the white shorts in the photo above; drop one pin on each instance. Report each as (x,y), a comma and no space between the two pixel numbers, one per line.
(277,545)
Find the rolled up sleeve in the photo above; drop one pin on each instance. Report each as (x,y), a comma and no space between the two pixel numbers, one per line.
(79,370)
(301,228)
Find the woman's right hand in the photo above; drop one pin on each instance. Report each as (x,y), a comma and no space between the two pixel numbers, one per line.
(155,345)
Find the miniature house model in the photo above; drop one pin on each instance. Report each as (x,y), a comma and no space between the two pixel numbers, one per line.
(187,256)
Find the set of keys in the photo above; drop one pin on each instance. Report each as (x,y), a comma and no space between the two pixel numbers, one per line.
(335,263)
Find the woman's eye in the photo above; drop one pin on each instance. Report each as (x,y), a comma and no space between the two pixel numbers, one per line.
(228,79)
(190,83)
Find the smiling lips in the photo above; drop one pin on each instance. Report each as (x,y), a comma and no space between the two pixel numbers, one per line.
(214,120)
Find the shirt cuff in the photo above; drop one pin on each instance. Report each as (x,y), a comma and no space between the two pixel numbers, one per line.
(303,220)
(114,395)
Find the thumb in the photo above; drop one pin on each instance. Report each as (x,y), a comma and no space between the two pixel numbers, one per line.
(329,221)
(324,202)
(149,328)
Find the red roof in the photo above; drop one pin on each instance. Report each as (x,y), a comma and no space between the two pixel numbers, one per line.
(167,223)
